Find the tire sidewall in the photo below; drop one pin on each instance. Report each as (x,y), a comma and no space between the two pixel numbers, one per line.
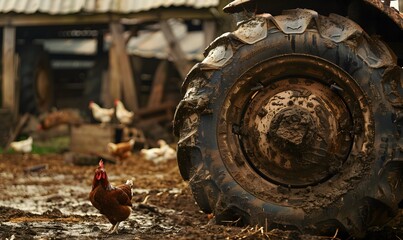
(249,56)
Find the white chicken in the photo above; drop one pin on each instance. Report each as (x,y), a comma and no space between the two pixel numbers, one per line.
(122,114)
(152,154)
(104,115)
(159,155)
(24,146)
(169,152)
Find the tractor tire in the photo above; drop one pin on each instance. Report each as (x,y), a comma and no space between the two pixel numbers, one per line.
(293,122)
(36,84)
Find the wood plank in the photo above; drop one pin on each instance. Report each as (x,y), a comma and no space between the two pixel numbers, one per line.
(157,88)
(182,64)
(10,94)
(91,138)
(106,96)
(130,95)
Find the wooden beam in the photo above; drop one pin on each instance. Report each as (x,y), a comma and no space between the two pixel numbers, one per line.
(125,72)
(9,71)
(114,76)
(21,123)
(77,19)
(182,64)
(157,88)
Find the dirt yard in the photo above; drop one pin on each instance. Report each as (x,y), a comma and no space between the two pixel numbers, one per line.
(44,197)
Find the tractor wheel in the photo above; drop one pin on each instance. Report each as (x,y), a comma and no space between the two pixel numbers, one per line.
(292,122)
(36,85)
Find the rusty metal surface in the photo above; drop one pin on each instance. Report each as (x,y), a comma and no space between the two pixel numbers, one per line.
(295,127)
(391,12)
(62,7)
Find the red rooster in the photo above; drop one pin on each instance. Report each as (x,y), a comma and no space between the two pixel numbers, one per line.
(113,202)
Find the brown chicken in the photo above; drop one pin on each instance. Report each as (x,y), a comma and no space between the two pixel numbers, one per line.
(60,117)
(113,202)
(121,150)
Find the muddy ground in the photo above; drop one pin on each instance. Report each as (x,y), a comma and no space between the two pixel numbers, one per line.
(52,203)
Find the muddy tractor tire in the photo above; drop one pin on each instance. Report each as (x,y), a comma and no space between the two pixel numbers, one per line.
(36,84)
(292,122)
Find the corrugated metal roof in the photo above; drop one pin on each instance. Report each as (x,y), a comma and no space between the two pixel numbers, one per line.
(62,7)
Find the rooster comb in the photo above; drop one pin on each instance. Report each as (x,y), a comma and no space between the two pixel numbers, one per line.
(101,163)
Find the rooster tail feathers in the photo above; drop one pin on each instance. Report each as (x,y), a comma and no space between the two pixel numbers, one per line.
(129,182)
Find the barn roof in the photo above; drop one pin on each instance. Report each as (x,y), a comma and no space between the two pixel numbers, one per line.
(64,7)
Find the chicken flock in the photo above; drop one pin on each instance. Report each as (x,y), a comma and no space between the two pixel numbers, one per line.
(105,115)
(123,150)
(114,202)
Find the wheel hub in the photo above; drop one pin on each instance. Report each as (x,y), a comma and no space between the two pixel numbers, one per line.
(292,128)
(296,135)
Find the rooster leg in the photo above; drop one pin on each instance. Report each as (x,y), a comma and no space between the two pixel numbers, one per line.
(111,229)
(115,228)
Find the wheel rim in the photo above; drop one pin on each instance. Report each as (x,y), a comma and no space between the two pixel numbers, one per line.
(248,145)
(297,139)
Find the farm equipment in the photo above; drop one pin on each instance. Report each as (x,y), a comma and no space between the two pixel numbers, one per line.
(294,119)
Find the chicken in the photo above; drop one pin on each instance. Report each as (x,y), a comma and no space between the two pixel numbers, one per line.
(103,115)
(122,114)
(159,155)
(24,146)
(113,202)
(121,150)
(60,117)
(168,152)
(152,154)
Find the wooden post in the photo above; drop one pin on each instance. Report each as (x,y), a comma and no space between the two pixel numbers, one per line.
(123,68)
(114,76)
(157,88)
(9,71)
(182,64)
